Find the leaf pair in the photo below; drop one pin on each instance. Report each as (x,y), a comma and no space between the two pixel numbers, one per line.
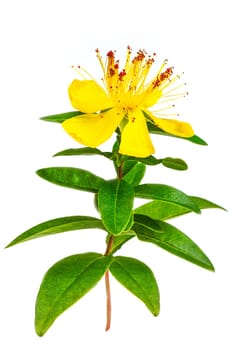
(71,278)
(115,201)
(169,162)
(60,118)
(115,197)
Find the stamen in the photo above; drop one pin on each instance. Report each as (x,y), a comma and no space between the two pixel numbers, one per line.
(163,65)
(112,72)
(168,99)
(162,77)
(165,108)
(175,95)
(174,89)
(80,71)
(87,73)
(166,114)
(77,70)
(122,74)
(128,86)
(171,81)
(100,59)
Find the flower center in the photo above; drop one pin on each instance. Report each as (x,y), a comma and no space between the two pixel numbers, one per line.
(128,87)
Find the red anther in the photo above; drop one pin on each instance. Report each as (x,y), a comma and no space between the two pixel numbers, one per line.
(129,48)
(110,54)
(122,74)
(116,66)
(156,83)
(150,61)
(112,72)
(163,76)
(97,50)
(78,67)
(140,56)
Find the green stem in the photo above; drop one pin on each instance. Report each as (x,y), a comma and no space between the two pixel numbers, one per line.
(107,286)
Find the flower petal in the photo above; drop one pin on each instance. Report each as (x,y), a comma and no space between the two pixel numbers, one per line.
(150,97)
(172,126)
(93,129)
(88,97)
(135,139)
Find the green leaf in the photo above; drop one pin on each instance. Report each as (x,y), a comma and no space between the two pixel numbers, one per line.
(160,210)
(153,129)
(166,193)
(135,174)
(205,203)
(60,118)
(65,224)
(170,239)
(65,283)
(175,163)
(138,279)
(83,151)
(196,139)
(128,165)
(115,202)
(120,240)
(130,222)
(76,178)
(151,160)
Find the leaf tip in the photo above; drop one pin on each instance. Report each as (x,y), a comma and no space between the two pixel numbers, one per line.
(40,331)
(156,313)
(211,267)
(11,244)
(38,172)
(45,119)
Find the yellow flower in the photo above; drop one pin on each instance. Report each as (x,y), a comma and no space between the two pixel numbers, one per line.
(124,102)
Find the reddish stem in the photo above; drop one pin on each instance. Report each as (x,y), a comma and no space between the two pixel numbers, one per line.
(109,306)
(120,171)
(107,285)
(107,280)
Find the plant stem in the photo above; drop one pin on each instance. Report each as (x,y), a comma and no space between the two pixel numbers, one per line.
(107,280)
(108,306)
(120,171)
(107,286)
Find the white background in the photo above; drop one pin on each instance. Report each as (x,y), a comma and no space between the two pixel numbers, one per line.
(40,40)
